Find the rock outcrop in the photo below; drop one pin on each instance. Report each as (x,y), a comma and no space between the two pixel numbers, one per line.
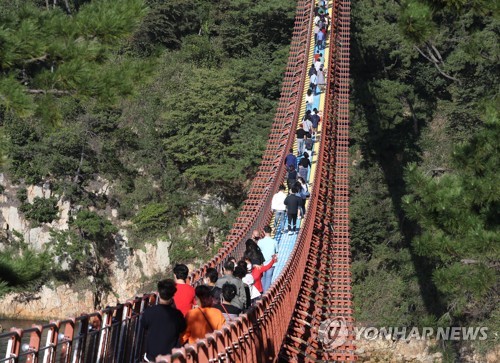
(129,270)
(417,351)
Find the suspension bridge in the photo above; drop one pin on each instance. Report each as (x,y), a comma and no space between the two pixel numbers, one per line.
(306,315)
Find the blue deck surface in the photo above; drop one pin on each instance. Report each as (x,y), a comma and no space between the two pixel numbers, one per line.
(286,242)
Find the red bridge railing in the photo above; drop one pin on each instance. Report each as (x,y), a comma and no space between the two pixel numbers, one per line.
(288,324)
(321,328)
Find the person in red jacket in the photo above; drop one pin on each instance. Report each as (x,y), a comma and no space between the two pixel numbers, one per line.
(258,271)
(184,297)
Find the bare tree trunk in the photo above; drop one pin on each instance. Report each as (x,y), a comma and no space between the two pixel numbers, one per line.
(68,9)
(47,4)
(414,117)
(77,174)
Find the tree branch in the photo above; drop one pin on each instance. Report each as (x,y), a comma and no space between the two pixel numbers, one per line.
(436,52)
(38,59)
(447,75)
(423,54)
(48,91)
(434,61)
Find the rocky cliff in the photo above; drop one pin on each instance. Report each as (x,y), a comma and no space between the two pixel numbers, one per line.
(130,270)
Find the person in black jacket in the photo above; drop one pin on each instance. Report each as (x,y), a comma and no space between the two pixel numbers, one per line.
(293,204)
(312,70)
(291,177)
(253,252)
(163,323)
(211,277)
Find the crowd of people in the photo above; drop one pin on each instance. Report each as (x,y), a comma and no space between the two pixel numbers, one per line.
(291,206)
(184,314)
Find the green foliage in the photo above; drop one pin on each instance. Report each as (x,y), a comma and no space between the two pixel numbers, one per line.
(387,295)
(93,227)
(424,77)
(371,215)
(49,52)
(22,195)
(21,271)
(42,210)
(3,145)
(246,24)
(459,216)
(186,247)
(416,20)
(67,247)
(200,128)
(220,220)
(165,23)
(14,98)
(158,217)
(153,216)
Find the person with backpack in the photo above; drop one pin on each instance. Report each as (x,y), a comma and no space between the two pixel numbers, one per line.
(290,160)
(204,319)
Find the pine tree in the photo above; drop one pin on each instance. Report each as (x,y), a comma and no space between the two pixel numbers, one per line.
(52,52)
(458,214)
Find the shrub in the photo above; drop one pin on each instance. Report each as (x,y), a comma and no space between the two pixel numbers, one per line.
(42,210)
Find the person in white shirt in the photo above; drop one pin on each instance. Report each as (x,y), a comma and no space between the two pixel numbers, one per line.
(249,280)
(269,248)
(307,125)
(316,20)
(318,65)
(279,209)
(313,82)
